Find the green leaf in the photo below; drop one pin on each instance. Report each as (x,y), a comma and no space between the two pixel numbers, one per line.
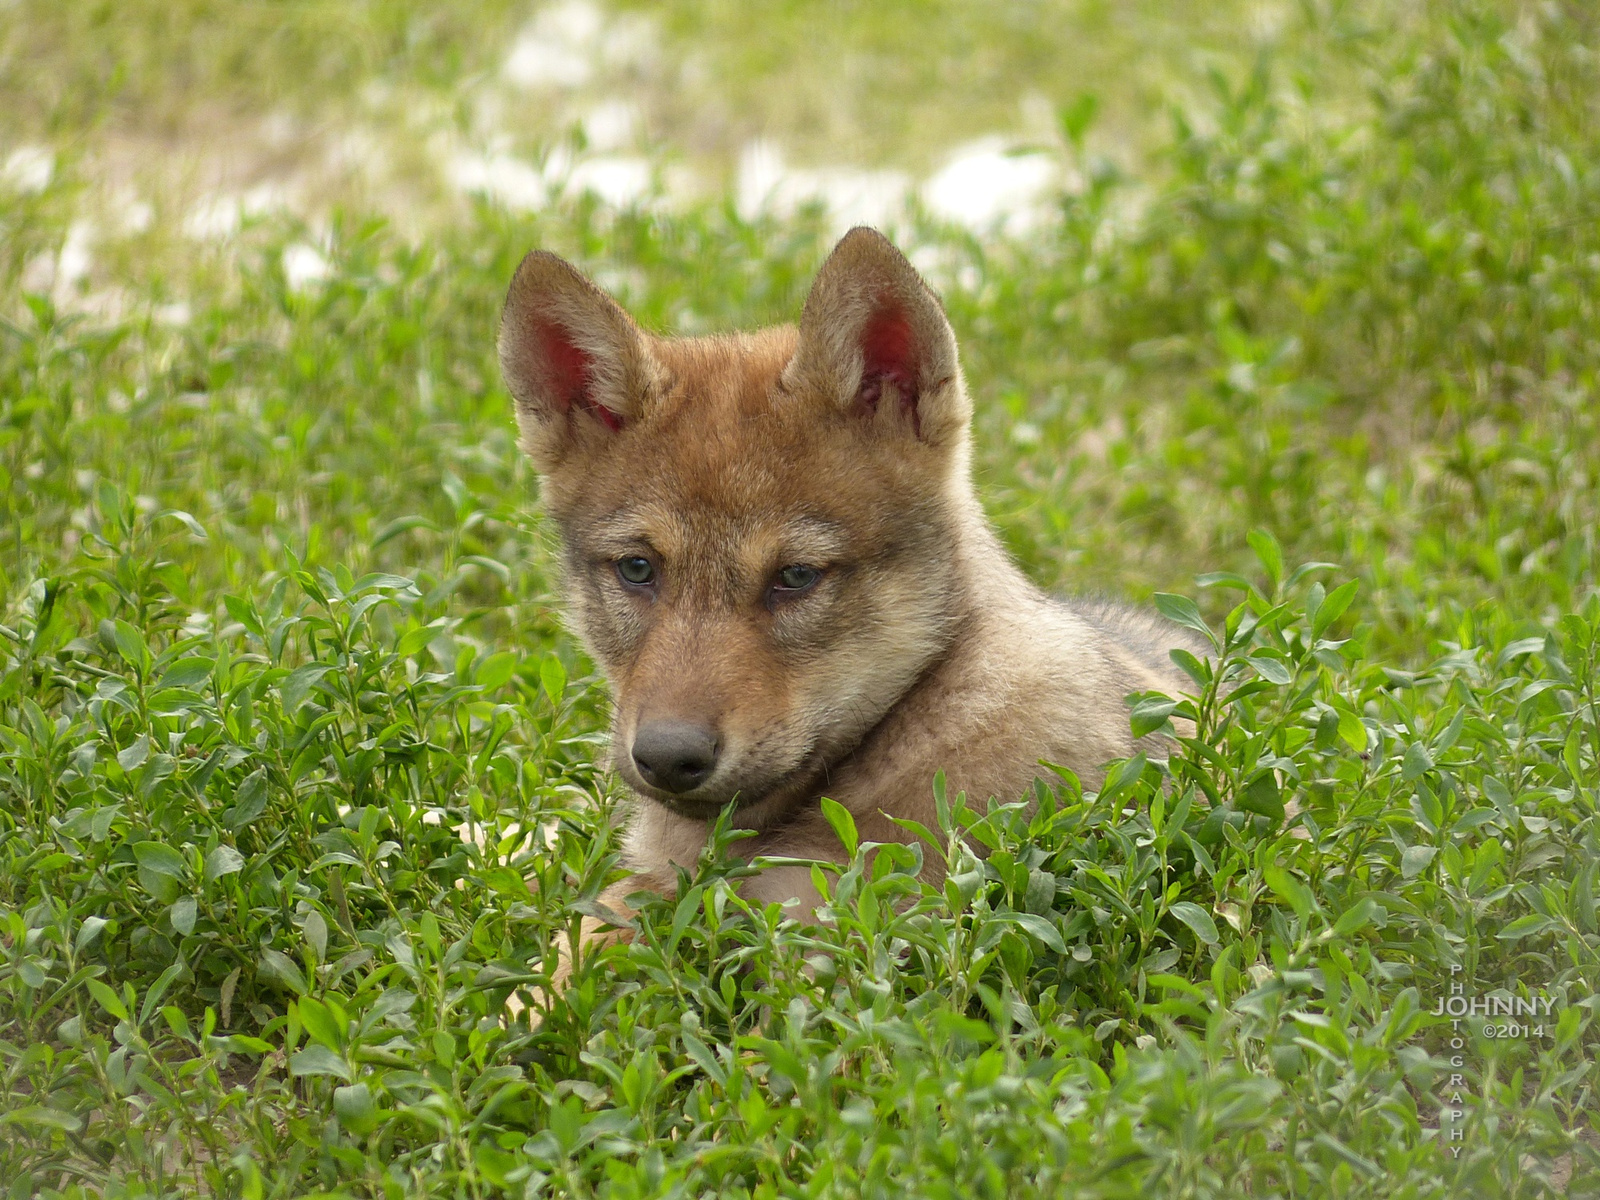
(1426,806)
(1263,796)
(316,931)
(1315,594)
(295,687)
(134,754)
(1041,891)
(1289,889)
(401,525)
(495,670)
(1150,715)
(1524,926)
(1036,925)
(249,802)
(686,910)
(161,870)
(1361,1163)
(279,969)
(223,860)
(354,1107)
(188,673)
(381,582)
(1182,611)
(1269,668)
(954,1025)
(182,914)
(244,612)
(1332,608)
(158,989)
(1175,983)
(159,858)
(419,639)
(319,1060)
(1227,579)
(1417,762)
(1365,912)
(87,932)
(553,679)
(1077,115)
(1415,860)
(1191,666)
(1353,731)
(36,1116)
(319,1022)
(131,646)
(698,1051)
(185,519)
(495,1164)
(507,881)
(108,999)
(1267,551)
(1197,919)
(843,824)
(1121,776)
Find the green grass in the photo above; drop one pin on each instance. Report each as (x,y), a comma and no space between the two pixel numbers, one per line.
(278,618)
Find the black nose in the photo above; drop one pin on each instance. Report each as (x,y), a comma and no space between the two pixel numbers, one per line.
(675,756)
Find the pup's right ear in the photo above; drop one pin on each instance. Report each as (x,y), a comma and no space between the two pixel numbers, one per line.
(577,366)
(875,342)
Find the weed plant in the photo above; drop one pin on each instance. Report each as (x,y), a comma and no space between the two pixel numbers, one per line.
(301,781)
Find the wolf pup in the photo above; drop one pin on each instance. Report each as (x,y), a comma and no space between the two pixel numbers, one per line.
(773,550)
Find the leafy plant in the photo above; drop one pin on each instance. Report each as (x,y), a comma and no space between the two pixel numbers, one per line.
(301,784)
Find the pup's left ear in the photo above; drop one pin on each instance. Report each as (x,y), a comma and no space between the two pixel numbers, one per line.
(874,340)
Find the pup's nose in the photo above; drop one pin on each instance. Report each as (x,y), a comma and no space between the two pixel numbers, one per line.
(675,756)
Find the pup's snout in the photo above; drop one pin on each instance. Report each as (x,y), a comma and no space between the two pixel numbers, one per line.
(675,756)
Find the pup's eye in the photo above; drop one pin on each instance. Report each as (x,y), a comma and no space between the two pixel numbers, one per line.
(796,578)
(635,570)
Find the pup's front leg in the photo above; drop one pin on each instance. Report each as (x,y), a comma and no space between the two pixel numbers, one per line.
(596,933)
(659,842)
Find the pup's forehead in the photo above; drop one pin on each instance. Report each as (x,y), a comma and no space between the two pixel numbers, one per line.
(723,455)
(718,441)
(721,378)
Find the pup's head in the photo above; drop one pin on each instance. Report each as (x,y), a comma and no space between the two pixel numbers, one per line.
(762,531)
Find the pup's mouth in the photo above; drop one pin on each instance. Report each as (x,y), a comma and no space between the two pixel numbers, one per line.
(702,807)
(778,790)
(684,806)
(704,802)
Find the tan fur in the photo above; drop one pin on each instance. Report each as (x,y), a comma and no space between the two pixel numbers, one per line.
(841,445)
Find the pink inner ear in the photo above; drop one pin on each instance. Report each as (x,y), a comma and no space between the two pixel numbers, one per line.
(889,356)
(568,366)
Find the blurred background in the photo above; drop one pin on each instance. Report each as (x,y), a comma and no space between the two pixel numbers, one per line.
(198,113)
